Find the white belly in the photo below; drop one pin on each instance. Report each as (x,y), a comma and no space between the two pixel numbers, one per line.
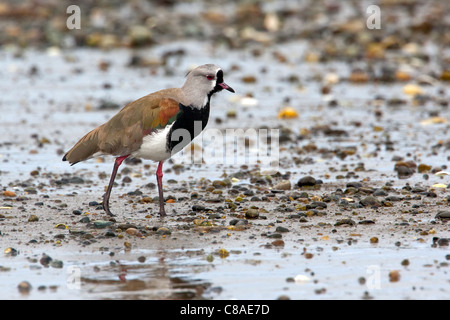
(154,146)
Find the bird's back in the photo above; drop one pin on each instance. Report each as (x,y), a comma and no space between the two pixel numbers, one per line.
(123,134)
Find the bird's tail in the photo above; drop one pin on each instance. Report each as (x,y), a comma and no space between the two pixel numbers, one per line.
(83,149)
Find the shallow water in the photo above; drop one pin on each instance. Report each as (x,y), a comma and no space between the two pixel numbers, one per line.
(249,272)
(60,102)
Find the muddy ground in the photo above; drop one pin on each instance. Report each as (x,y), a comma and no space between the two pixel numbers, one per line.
(356,208)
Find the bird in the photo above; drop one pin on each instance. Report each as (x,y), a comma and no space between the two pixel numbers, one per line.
(153,127)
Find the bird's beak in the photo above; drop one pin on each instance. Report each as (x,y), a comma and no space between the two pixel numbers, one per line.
(226,87)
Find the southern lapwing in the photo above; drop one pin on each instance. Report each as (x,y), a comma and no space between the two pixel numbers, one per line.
(153,127)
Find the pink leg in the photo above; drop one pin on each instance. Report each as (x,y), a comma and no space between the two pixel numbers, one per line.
(159,175)
(106,196)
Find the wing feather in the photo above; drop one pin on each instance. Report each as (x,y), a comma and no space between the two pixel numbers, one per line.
(123,133)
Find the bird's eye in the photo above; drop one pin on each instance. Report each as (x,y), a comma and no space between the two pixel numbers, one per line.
(209,77)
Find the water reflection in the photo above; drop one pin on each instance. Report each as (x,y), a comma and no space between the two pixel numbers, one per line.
(169,276)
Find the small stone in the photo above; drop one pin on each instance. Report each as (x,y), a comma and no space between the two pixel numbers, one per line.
(274,236)
(278,243)
(441,242)
(11,252)
(223,253)
(8,193)
(198,207)
(345,221)
(405,262)
(354,184)
(283,185)
(318,205)
(163,231)
(249,79)
(422,168)
(306,181)
(380,193)
(443,215)
(281,229)
(370,201)
(45,260)
(393,198)
(76,180)
(100,224)
(110,233)
(394,276)
(366,222)
(24,287)
(133,232)
(33,218)
(30,190)
(202,223)
(85,220)
(125,226)
(58,264)
(219,184)
(252,213)
(405,169)
(374,240)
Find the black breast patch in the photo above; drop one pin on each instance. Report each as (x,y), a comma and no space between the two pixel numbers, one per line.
(189,123)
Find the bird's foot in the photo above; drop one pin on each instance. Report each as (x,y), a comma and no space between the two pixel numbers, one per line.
(105,206)
(162,214)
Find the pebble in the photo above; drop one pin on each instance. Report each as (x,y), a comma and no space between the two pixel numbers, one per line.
(278,243)
(252,213)
(370,201)
(345,221)
(405,262)
(281,229)
(283,185)
(394,276)
(33,218)
(11,252)
(45,260)
(354,185)
(100,224)
(24,287)
(318,204)
(306,181)
(198,207)
(405,169)
(443,215)
(58,264)
(133,232)
(301,279)
(441,242)
(274,235)
(380,193)
(236,222)
(8,193)
(163,231)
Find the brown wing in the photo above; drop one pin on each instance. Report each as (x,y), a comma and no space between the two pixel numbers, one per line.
(124,132)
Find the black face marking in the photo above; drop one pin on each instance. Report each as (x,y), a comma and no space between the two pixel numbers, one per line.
(219,79)
(219,76)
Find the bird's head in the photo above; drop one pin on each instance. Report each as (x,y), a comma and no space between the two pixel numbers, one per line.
(203,81)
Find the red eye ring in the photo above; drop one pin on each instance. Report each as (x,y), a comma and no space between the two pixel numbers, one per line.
(210,77)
